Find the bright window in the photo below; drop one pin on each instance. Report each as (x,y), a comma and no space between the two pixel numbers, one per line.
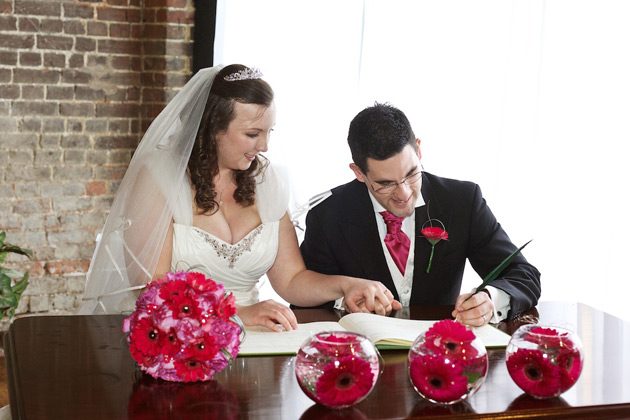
(527,98)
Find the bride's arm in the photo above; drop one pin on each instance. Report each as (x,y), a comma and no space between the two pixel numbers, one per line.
(166,255)
(294,283)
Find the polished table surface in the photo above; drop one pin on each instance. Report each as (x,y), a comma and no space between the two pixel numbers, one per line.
(79,367)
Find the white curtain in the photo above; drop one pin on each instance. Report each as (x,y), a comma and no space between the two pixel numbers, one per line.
(530,99)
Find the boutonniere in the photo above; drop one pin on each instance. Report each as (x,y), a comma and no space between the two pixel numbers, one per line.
(433,234)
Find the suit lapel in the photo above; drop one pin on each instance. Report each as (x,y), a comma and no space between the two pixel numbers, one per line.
(422,251)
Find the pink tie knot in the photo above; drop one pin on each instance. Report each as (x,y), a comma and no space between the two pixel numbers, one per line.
(397,242)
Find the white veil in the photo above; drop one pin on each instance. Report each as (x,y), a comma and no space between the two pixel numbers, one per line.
(132,239)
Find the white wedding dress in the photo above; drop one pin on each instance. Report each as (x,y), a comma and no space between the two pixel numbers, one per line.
(239,266)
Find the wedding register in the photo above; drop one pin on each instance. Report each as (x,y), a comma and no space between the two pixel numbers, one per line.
(385,333)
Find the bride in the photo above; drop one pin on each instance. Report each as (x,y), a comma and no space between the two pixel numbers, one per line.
(198,195)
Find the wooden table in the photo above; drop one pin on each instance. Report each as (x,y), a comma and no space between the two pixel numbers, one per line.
(79,367)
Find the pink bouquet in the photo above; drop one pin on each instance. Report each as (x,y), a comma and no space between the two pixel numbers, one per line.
(184,328)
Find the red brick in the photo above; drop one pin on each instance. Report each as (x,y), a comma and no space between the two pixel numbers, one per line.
(78,11)
(38,8)
(54,60)
(149,15)
(116,142)
(85,44)
(67,267)
(34,108)
(74,27)
(116,110)
(118,14)
(81,109)
(153,95)
(119,30)
(166,3)
(5,76)
(8,58)
(119,47)
(164,31)
(5,7)
(8,23)
(175,16)
(75,76)
(30,59)
(96,188)
(76,60)
(32,92)
(9,92)
(52,26)
(54,42)
(84,93)
(59,92)
(16,41)
(28,24)
(97,28)
(36,76)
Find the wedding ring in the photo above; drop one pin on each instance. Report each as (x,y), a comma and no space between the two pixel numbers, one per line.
(484,318)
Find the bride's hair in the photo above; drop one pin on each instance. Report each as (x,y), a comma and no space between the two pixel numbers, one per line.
(217,115)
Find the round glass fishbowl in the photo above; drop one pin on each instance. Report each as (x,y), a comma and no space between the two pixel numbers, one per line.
(447,363)
(544,361)
(337,368)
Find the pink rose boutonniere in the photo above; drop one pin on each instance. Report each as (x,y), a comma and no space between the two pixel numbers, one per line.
(434,235)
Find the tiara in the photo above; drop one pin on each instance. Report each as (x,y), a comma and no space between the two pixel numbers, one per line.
(245,74)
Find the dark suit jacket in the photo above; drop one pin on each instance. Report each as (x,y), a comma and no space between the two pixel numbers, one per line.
(342,238)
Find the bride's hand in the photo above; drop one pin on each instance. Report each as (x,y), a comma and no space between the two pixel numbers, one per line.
(369,296)
(268,313)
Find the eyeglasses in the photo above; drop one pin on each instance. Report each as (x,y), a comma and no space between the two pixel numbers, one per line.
(389,187)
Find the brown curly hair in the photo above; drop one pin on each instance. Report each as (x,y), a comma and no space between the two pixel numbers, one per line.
(217,115)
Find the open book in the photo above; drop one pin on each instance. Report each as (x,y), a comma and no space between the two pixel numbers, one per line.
(385,332)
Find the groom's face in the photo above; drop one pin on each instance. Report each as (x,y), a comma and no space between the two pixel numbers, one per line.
(401,201)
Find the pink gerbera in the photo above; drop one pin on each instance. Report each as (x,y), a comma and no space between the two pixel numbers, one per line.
(549,338)
(570,368)
(534,373)
(437,378)
(336,344)
(344,382)
(451,338)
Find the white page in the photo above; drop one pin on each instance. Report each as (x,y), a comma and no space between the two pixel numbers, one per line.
(261,340)
(378,327)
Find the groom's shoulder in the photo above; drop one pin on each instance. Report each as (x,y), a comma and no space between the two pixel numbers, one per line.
(340,197)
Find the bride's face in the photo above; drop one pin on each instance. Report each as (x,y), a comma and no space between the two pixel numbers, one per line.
(247,135)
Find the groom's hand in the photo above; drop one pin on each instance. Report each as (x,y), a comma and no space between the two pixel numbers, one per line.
(370,297)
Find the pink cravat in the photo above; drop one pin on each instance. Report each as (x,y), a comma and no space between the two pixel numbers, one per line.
(396,240)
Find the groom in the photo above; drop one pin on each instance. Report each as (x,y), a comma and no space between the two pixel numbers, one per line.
(373,227)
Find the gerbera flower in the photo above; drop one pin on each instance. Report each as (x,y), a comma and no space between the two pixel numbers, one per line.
(437,378)
(548,338)
(452,339)
(200,283)
(344,382)
(145,336)
(534,373)
(327,344)
(570,368)
(191,369)
(226,306)
(173,290)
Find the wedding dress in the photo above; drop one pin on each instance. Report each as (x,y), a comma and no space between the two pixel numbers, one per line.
(154,193)
(237,266)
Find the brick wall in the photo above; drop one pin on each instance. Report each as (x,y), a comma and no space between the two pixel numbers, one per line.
(80,81)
